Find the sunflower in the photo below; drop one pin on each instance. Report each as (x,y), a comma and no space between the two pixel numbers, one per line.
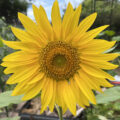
(61,61)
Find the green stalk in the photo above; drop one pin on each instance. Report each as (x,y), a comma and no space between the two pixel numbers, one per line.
(59,110)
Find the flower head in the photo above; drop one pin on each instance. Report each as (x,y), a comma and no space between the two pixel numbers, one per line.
(63,61)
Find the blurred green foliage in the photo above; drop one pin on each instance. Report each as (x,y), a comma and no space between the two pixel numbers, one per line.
(108,12)
(5,30)
(108,106)
(11,118)
(108,111)
(6,34)
(9,9)
(109,95)
(6,100)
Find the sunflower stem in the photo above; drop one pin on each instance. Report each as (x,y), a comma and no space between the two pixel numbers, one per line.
(59,110)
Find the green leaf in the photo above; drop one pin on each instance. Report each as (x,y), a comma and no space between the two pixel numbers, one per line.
(6,99)
(102,117)
(1,43)
(109,95)
(116,38)
(110,32)
(12,118)
(116,106)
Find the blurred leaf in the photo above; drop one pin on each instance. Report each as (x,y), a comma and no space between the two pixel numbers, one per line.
(116,38)
(12,118)
(6,99)
(92,117)
(117,106)
(110,32)
(1,43)
(109,95)
(102,117)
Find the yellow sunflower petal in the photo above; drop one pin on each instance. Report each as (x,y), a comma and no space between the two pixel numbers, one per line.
(100,64)
(22,74)
(24,46)
(47,94)
(99,57)
(101,81)
(32,28)
(56,19)
(94,71)
(82,98)
(75,89)
(97,46)
(89,82)
(16,64)
(34,90)
(20,56)
(75,19)
(87,92)
(21,88)
(37,78)
(69,97)
(45,24)
(25,37)
(88,36)
(52,103)
(59,93)
(67,16)
(71,26)
(28,23)
(42,20)
(86,23)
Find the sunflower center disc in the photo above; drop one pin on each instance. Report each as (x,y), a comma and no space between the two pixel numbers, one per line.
(59,60)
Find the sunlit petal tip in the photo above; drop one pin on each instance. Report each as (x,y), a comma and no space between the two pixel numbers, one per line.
(5,42)
(111,85)
(9,82)
(69,4)
(113,43)
(2,64)
(115,66)
(12,28)
(41,111)
(20,14)
(106,26)
(94,14)
(40,7)
(55,3)
(13,94)
(24,99)
(80,6)
(34,6)
(94,102)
